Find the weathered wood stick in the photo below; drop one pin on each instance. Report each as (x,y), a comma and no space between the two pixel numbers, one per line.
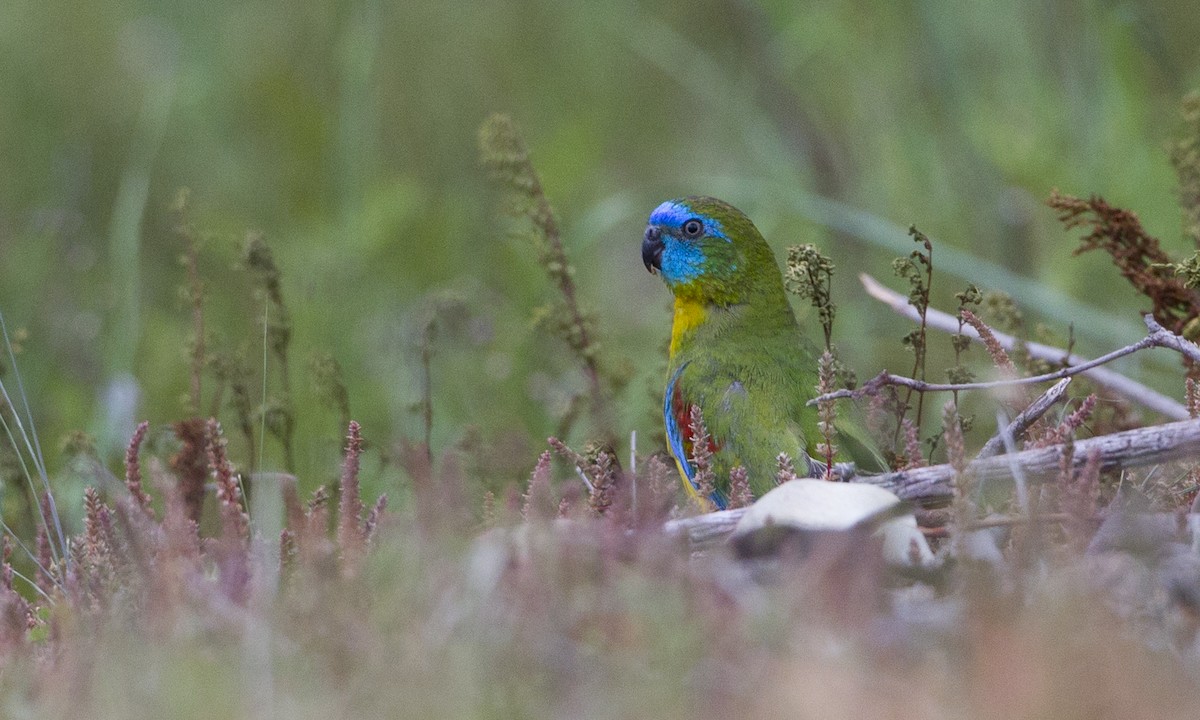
(1132,448)
(1027,417)
(706,530)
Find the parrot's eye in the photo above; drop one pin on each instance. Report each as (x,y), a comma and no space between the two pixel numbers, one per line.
(693,228)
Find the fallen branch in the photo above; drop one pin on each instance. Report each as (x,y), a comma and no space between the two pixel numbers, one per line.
(1105,378)
(932,485)
(709,529)
(1132,448)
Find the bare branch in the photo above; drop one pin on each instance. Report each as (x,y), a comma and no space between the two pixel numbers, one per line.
(1104,377)
(885,378)
(994,522)
(1163,337)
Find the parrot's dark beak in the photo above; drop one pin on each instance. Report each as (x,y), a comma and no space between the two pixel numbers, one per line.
(652,249)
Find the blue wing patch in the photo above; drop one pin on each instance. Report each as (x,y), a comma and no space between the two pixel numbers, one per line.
(674,433)
(675,440)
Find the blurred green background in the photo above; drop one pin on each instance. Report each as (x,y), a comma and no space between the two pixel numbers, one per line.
(346,132)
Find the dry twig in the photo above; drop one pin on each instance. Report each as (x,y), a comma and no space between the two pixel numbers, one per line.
(1157,336)
(1105,378)
(1027,417)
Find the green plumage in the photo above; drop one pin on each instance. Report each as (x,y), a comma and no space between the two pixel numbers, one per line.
(737,351)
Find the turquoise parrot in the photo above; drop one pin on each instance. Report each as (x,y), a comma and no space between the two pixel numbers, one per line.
(736,350)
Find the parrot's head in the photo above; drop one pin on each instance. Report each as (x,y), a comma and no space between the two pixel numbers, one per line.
(707,251)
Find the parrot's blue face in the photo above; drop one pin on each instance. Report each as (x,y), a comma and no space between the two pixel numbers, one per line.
(675,242)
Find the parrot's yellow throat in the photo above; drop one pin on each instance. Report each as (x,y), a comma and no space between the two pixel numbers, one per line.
(688,314)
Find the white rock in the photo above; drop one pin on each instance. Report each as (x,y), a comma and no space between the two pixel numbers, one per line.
(818,505)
